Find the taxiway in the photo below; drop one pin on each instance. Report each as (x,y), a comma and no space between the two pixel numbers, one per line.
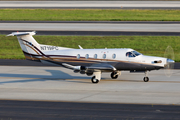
(60,84)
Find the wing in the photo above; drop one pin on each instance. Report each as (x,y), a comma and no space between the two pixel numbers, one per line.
(95,67)
(102,67)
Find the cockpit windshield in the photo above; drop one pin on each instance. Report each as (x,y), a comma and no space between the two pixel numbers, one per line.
(133,54)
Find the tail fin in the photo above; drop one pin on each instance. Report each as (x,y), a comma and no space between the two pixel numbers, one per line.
(29,46)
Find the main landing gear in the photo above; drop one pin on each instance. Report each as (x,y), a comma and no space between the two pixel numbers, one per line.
(94,80)
(97,77)
(146,79)
(114,74)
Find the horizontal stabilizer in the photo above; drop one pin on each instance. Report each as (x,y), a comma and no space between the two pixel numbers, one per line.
(22,33)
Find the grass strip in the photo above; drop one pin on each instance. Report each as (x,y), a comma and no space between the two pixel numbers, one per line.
(148,45)
(88,15)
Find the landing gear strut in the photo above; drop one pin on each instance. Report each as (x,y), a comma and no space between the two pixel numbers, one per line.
(97,77)
(94,80)
(114,74)
(146,79)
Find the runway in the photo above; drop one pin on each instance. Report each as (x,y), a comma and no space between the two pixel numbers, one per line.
(60,84)
(92,4)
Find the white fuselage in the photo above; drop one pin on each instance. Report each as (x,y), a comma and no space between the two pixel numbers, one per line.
(105,55)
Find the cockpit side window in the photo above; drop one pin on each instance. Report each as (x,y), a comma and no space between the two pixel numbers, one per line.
(129,54)
(136,53)
(133,54)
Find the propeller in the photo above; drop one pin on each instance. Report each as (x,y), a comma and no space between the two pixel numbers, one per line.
(169,54)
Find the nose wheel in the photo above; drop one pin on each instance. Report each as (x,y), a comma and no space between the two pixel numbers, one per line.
(146,79)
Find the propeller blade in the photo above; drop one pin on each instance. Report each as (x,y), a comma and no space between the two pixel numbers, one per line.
(169,54)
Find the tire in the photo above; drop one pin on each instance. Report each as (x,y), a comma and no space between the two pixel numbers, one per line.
(93,80)
(112,75)
(146,79)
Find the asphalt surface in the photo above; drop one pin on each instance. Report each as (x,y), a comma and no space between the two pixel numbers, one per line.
(111,22)
(43,93)
(42,110)
(92,4)
(97,28)
(128,8)
(91,27)
(62,84)
(97,33)
(11,62)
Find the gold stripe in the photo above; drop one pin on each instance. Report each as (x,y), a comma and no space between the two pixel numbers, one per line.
(32,48)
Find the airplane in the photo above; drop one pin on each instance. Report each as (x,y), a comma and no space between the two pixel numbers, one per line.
(90,61)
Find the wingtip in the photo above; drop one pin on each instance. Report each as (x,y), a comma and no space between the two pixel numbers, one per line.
(9,35)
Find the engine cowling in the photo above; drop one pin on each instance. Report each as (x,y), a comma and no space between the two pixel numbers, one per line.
(76,71)
(89,73)
(81,69)
(82,72)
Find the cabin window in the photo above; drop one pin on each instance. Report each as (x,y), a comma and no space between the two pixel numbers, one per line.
(78,56)
(114,56)
(104,56)
(87,56)
(95,56)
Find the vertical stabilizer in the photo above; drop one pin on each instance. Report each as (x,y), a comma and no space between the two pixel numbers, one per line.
(29,46)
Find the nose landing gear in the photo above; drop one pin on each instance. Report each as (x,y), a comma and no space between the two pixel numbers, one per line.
(146,79)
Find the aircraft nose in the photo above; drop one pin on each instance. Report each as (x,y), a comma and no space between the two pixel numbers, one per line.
(170,61)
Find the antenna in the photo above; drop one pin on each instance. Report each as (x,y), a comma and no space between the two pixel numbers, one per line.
(80,47)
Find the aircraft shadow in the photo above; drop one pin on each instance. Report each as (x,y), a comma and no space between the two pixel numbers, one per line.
(55,75)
